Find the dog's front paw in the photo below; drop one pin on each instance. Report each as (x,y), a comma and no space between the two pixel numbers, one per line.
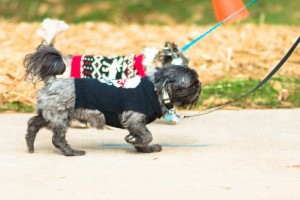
(149,148)
(31,150)
(73,152)
(78,153)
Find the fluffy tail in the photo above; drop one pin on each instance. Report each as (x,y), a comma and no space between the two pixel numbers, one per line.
(46,61)
(50,28)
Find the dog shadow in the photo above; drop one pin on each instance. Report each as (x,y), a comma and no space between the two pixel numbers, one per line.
(120,147)
(129,149)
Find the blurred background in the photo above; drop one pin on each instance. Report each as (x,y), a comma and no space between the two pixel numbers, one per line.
(230,61)
(143,11)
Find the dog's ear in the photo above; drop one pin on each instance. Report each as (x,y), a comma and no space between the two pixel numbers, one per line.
(158,78)
(167,43)
(171,45)
(186,90)
(182,84)
(171,52)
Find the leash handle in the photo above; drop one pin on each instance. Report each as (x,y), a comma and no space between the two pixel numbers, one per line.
(270,75)
(216,26)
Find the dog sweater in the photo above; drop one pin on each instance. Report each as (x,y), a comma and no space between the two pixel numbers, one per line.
(100,67)
(112,97)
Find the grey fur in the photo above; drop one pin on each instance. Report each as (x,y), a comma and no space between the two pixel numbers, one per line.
(56,102)
(166,57)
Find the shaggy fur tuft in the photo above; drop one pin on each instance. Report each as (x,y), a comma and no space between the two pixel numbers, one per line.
(167,54)
(56,101)
(45,61)
(182,85)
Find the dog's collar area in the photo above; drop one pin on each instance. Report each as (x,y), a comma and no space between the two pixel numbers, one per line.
(171,114)
(165,96)
(166,99)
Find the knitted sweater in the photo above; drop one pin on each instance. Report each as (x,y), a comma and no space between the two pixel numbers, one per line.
(114,97)
(101,67)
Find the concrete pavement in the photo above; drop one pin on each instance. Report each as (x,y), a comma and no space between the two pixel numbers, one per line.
(235,155)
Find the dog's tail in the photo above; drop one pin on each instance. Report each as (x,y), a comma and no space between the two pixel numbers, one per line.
(50,28)
(45,62)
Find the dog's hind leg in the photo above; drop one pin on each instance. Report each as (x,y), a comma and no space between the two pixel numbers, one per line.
(140,137)
(59,141)
(59,123)
(34,125)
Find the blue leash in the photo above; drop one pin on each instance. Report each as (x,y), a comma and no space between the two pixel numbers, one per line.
(216,26)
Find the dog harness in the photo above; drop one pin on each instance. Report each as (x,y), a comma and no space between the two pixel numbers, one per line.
(113,97)
(100,67)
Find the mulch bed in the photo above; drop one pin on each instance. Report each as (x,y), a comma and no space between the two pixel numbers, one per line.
(230,52)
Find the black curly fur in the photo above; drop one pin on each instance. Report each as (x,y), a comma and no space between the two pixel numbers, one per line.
(182,84)
(45,61)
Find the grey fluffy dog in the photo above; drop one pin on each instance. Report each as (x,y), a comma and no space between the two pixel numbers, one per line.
(65,99)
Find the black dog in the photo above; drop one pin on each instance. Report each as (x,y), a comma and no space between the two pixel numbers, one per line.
(129,104)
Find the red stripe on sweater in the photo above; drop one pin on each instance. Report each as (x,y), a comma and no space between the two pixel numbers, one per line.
(138,65)
(75,67)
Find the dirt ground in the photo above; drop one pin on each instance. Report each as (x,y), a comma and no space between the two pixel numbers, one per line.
(230,52)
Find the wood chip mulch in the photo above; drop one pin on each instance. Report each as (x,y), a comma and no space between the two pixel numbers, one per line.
(230,52)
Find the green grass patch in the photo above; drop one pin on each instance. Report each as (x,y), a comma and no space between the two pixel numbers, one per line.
(16,107)
(280,92)
(138,11)
(214,94)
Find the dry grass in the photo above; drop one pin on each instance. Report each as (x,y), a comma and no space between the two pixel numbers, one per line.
(230,52)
